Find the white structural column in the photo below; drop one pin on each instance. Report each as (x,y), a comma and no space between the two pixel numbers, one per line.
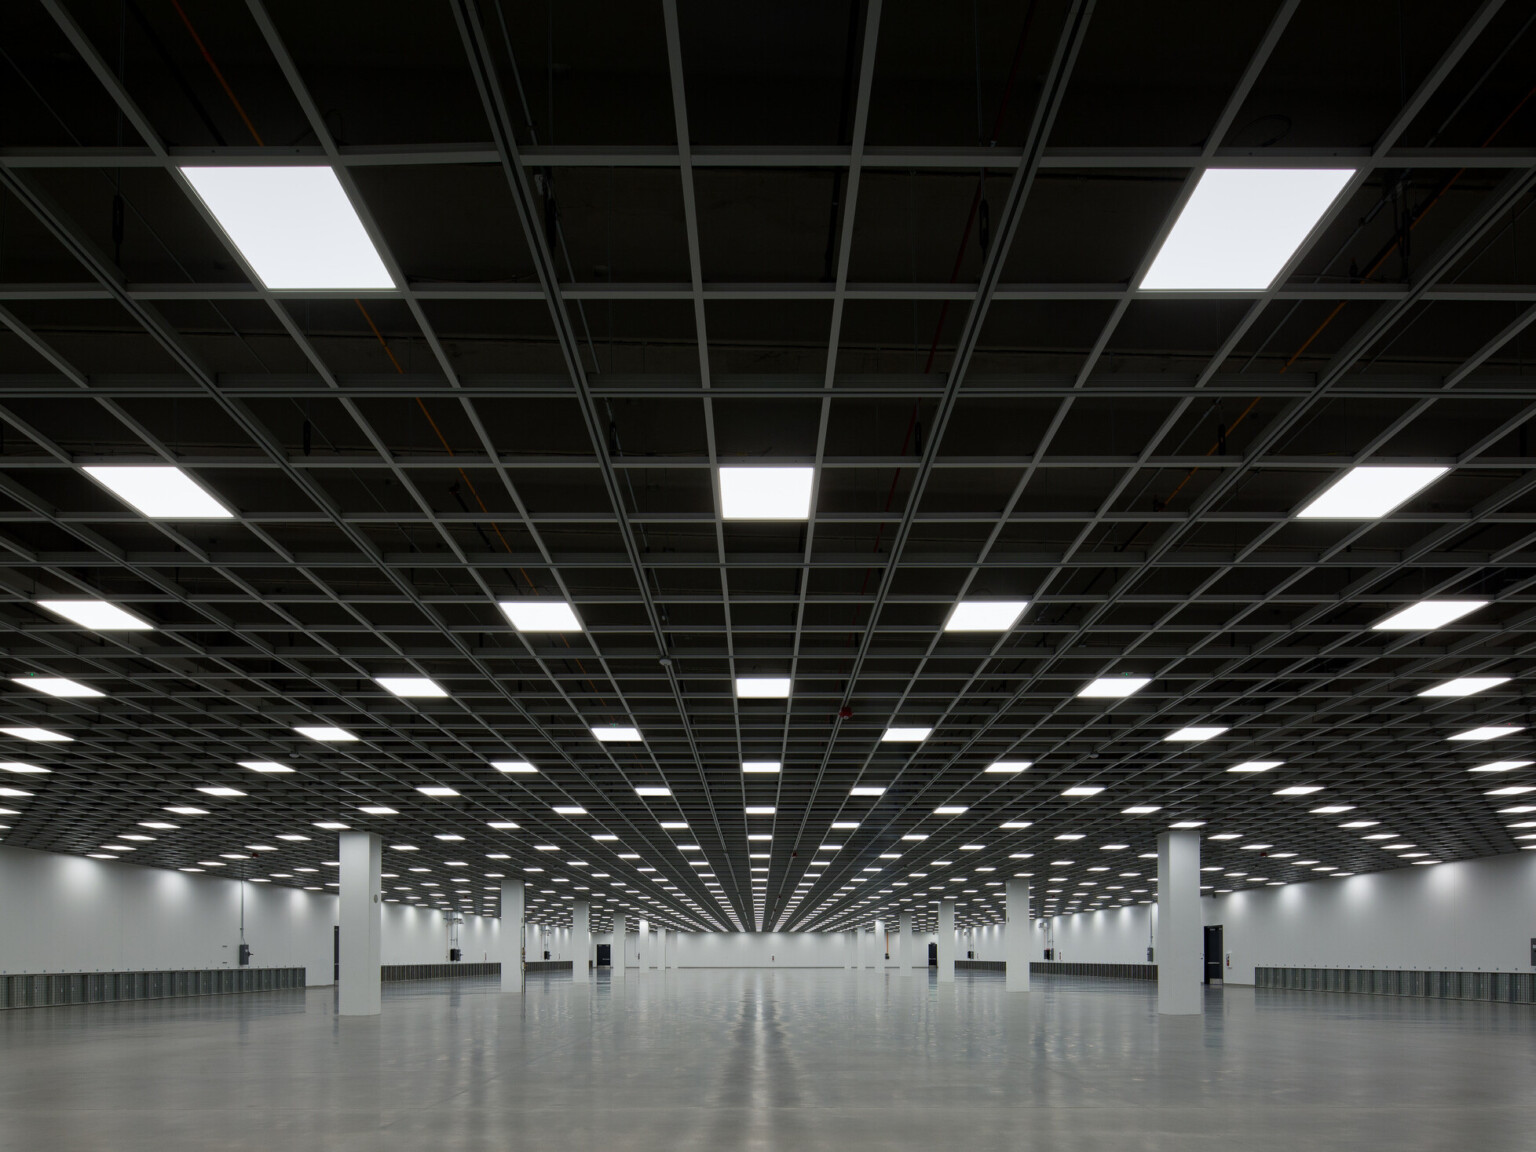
(360,917)
(906,943)
(946,941)
(1016,936)
(878,955)
(643,943)
(616,949)
(1179,933)
(513,937)
(581,940)
(661,948)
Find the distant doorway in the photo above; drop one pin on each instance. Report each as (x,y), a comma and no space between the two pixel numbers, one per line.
(1213,954)
(336,953)
(605,955)
(933,955)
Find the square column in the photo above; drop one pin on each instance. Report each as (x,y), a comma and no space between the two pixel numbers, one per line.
(879,941)
(906,943)
(1016,935)
(360,914)
(617,948)
(946,941)
(1180,937)
(513,937)
(851,949)
(643,947)
(581,940)
(661,948)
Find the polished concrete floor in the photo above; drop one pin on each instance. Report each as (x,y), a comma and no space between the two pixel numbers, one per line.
(775,1060)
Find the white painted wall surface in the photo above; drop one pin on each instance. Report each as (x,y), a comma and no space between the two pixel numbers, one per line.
(1106,936)
(758,950)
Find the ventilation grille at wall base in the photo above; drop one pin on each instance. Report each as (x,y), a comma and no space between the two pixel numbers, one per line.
(392,972)
(981,965)
(547,966)
(50,989)
(1099,971)
(1501,987)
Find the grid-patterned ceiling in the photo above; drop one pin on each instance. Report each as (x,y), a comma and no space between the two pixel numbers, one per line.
(895,242)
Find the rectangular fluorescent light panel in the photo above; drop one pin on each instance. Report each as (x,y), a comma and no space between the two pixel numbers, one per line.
(905,735)
(1502,766)
(766,767)
(514,767)
(653,790)
(569,810)
(1256,766)
(1083,790)
(766,493)
(1427,614)
(436,790)
(325,733)
(616,734)
(1192,735)
(949,810)
(866,790)
(38,735)
(1368,492)
(1113,687)
(1141,809)
(55,686)
(21,769)
(293,225)
(272,767)
(759,810)
(540,615)
(1241,226)
(1300,790)
(407,686)
(1473,735)
(97,615)
(984,615)
(762,687)
(158,491)
(1461,686)
(1008,767)
(219,790)
(377,810)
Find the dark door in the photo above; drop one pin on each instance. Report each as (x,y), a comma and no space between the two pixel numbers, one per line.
(933,955)
(605,955)
(1213,953)
(336,953)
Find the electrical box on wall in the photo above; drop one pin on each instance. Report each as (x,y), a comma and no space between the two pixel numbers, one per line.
(1533,951)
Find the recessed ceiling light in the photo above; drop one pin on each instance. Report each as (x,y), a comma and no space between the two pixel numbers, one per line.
(1193,735)
(653,790)
(762,687)
(503,825)
(97,615)
(1141,809)
(454,836)
(1502,766)
(759,809)
(1240,227)
(325,733)
(294,225)
(436,790)
(1472,735)
(331,826)
(915,836)
(56,686)
(512,767)
(1369,491)
(1008,767)
(1427,615)
(219,790)
(1083,790)
(616,734)
(1512,790)
(160,824)
(38,735)
(905,735)
(1070,836)
(845,825)
(866,790)
(765,493)
(569,810)
(14,792)
(271,767)
(377,810)
(23,769)
(951,810)
(765,767)
(1188,824)
(532,614)
(409,686)
(291,836)
(984,615)
(1300,790)
(1113,687)
(1256,766)
(1465,686)
(1332,809)
(160,492)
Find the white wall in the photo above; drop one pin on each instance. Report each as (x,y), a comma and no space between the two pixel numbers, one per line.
(1104,936)
(1468,916)
(757,950)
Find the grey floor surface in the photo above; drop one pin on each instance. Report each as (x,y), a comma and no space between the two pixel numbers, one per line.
(782,1060)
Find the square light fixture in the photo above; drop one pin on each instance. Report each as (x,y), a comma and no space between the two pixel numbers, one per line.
(1241,226)
(329,826)
(1008,767)
(1465,686)
(759,809)
(514,767)
(766,492)
(56,686)
(293,224)
(436,790)
(845,825)
(1256,766)
(905,735)
(762,687)
(38,735)
(1083,790)
(534,614)
(218,790)
(764,767)
(1502,766)
(1195,735)
(503,825)
(1473,735)
(20,769)
(1113,687)
(377,810)
(1141,809)
(97,615)
(569,810)
(158,491)
(653,790)
(1427,615)
(984,615)
(325,733)
(409,686)
(1368,492)
(950,810)
(866,790)
(616,734)
(271,767)
(1300,790)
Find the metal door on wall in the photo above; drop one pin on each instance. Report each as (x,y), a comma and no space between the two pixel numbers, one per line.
(605,955)
(1213,953)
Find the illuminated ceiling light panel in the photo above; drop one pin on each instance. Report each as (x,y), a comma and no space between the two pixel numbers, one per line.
(38,735)
(1113,687)
(1512,790)
(1241,226)
(765,767)
(409,686)
(905,735)
(219,790)
(56,686)
(158,491)
(866,790)
(325,733)
(377,810)
(762,687)
(271,767)
(759,810)
(505,825)
(1300,790)
(949,810)
(569,810)
(766,493)
(1368,492)
(845,825)
(1472,735)
(1141,809)
(653,790)
(1502,766)
(1461,686)
(915,836)
(1427,615)
(1256,766)
(616,734)
(540,615)
(1193,735)
(20,769)
(329,826)
(97,615)
(1083,790)
(436,790)
(984,615)
(1008,767)
(514,767)
(294,225)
